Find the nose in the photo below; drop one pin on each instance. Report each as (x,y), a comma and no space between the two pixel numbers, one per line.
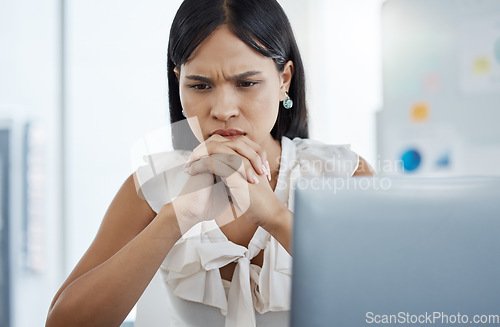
(225,104)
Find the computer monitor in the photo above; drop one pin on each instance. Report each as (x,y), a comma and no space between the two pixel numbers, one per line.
(396,252)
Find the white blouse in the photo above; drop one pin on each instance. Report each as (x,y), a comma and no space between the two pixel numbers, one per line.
(256,296)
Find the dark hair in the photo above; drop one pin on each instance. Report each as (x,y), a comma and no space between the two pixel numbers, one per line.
(263,26)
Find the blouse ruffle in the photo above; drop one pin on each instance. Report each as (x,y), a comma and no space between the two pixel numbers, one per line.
(191,269)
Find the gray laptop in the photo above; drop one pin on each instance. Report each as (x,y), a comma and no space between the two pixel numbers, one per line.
(396,252)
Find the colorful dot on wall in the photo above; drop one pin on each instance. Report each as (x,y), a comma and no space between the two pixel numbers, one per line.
(444,160)
(432,83)
(419,112)
(481,66)
(411,160)
(497,50)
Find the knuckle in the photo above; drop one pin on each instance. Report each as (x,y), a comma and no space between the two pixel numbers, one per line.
(248,164)
(262,153)
(234,159)
(257,159)
(249,172)
(238,144)
(202,163)
(210,145)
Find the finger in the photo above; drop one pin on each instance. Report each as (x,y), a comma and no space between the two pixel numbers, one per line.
(240,164)
(257,148)
(239,195)
(219,144)
(211,165)
(224,165)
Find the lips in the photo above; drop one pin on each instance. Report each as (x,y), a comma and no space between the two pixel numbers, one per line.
(229,132)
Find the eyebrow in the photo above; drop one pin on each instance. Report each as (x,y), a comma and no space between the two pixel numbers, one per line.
(231,78)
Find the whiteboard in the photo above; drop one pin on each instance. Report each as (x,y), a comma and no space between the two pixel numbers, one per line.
(441,86)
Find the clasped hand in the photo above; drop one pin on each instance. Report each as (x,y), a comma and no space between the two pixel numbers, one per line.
(229,178)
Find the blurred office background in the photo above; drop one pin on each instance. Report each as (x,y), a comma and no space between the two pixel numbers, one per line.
(82,81)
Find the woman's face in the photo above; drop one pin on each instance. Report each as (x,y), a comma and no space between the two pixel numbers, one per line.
(226,84)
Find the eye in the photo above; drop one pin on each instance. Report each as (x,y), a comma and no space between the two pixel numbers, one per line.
(247,83)
(200,87)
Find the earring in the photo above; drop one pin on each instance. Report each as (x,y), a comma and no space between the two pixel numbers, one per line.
(287,102)
(183,113)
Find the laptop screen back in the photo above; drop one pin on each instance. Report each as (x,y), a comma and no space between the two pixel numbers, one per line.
(385,251)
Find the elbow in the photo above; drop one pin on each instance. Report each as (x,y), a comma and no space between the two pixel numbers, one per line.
(65,313)
(60,314)
(55,318)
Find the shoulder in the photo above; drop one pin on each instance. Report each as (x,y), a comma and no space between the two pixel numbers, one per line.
(162,160)
(129,204)
(364,168)
(318,158)
(313,148)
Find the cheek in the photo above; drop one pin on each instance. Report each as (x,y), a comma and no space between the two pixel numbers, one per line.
(190,106)
(265,107)
(185,101)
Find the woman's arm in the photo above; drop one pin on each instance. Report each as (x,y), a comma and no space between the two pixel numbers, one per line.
(364,169)
(281,227)
(131,244)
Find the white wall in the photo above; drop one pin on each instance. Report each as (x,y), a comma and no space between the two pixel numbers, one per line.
(344,72)
(29,91)
(116,94)
(340,44)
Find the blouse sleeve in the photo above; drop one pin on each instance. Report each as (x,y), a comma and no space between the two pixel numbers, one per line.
(162,177)
(319,159)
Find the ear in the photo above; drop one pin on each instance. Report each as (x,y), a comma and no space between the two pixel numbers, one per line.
(176,71)
(286,79)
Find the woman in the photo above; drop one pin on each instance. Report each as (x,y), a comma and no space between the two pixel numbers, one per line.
(235,72)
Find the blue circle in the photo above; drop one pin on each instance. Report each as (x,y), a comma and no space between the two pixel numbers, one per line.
(411,160)
(497,50)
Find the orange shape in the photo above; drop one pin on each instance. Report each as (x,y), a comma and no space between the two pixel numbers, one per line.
(420,112)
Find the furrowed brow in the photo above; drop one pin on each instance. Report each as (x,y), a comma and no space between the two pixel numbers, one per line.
(244,75)
(199,78)
(208,80)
